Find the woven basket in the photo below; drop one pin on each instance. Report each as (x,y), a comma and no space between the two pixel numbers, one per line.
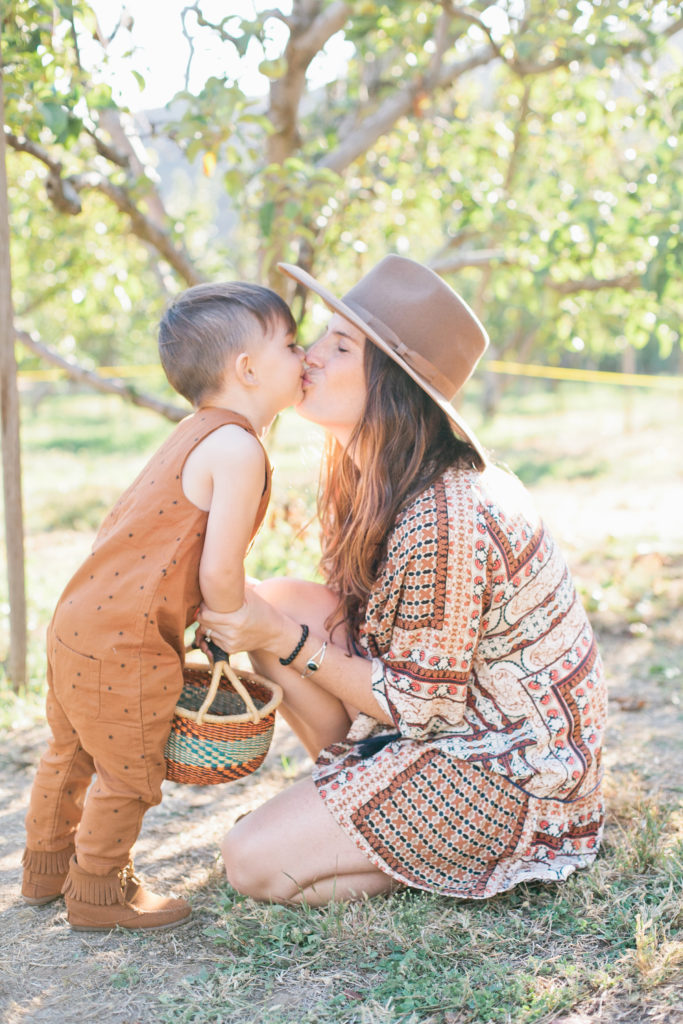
(213,738)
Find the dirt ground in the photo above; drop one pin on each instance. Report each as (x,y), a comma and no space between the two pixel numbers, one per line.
(50,975)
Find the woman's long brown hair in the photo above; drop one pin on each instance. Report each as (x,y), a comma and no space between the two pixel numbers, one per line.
(402,443)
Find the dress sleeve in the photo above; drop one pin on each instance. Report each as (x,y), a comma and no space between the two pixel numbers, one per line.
(424,615)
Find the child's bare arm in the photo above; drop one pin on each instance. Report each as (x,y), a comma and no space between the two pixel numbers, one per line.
(226,472)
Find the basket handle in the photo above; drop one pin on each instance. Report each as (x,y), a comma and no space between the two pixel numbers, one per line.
(221,666)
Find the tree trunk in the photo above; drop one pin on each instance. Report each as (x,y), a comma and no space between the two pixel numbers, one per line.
(11,453)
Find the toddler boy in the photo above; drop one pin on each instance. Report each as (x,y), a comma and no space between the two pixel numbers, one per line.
(177,536)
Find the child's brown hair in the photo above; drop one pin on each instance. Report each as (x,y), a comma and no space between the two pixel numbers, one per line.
(209,322)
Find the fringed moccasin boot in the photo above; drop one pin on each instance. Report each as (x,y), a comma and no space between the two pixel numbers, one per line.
(102,902)
(45,872)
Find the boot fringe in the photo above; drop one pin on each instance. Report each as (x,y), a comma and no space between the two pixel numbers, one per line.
(47,862)
(100,890)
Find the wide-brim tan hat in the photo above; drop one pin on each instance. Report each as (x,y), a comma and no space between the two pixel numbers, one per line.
(419,321)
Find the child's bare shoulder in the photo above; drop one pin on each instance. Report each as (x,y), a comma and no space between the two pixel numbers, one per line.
(232,442)
(228,459)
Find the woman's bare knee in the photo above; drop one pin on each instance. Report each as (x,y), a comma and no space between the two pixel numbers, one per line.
(302,599)
(252,862)
(275,589)
(291,849)
(250,873)
(242,864)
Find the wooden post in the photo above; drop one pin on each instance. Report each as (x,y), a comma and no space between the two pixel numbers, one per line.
(11,455)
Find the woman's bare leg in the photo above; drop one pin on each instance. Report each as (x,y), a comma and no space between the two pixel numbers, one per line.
(316,716)
(291,850)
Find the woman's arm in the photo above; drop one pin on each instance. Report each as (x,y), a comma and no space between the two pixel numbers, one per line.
(424,613)
(259,627)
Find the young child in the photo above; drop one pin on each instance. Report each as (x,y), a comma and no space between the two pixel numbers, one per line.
(177,536)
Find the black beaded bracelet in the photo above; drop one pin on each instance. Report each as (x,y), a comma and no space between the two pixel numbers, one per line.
(302,641)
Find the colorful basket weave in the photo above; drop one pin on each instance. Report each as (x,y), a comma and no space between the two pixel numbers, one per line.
(213,739)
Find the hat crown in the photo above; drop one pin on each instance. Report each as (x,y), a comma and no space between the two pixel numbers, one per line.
(416,313)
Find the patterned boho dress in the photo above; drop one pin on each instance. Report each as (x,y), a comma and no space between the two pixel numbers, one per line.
(485,660)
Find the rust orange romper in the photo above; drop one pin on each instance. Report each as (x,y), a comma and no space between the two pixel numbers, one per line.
(115,660)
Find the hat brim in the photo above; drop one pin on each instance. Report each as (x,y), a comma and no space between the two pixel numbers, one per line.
(337,306)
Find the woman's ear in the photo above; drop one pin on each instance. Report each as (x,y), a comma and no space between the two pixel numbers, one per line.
(245,371)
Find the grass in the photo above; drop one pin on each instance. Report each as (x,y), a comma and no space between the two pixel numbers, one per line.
(606,945)
(527,957)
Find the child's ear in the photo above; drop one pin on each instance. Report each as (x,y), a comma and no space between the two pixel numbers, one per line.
(245,371)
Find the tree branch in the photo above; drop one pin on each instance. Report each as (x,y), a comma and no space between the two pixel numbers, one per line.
(109,152)
(190,42)
(481,258)
(474,18)
(39,152)
(129,145)
(455,241)
(519,135)
(672,28)
(364,135)
(593,284)
(143,227)
(217,27)
(618,51)
(395,106)
(305,41)
(64,193)
(443,40)
(78,373)
(125,22)
(274,12)
(331,20)
(444,264)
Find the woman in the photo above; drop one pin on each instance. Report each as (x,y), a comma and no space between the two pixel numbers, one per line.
(445,681)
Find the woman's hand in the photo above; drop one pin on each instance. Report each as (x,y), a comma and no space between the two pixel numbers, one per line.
(257,625)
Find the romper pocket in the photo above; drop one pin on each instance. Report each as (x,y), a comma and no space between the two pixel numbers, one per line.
(120,682)
(76,681)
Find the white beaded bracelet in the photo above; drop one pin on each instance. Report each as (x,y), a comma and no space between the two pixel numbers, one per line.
(314,662)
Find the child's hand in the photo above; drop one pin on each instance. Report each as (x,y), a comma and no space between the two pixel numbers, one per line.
(201,638)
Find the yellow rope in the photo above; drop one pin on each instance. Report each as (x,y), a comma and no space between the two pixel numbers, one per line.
(642,380)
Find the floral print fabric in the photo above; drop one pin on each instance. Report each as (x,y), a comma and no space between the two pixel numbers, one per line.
(485,660)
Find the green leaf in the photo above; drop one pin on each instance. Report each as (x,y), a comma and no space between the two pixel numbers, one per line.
(599,54)
(56,117)
(273,68)
(265,218)
(65,8)
(100,98)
